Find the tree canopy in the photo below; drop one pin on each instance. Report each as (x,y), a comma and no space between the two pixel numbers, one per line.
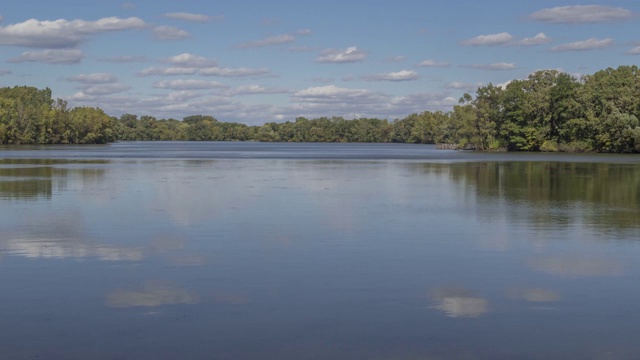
(548,111)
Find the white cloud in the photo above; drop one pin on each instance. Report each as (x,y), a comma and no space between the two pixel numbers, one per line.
(634,51)
(169,33)
(156,70)
(233,72)
(62,33)
(4,72)
(434,63)
(123,59)
(581,14)
(349,55)
(95,78)
(539,39)
(191,61)
(187,16)
(494,66)
(50,56)
(394,59)
(589,44)
(187,84)
(502,38)
(402,75)
(128,6)
(105,89)
(456,85)
(332,92)
(331,100)
(274,40)
(255,89)
(189,64)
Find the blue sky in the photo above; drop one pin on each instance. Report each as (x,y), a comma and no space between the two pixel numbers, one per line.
(258,61)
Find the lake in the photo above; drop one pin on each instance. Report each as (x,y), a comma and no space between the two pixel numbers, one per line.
(180,250)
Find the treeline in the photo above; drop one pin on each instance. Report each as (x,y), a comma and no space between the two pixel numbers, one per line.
(30,116)
(548,111)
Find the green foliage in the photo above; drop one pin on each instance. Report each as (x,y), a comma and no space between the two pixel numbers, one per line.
(548,111)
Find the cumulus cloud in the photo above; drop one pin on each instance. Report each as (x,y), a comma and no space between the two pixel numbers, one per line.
(502,38)
(494,66)
(634,51)
(169,33)
(456,85)
(191,61)
(187,16)
(332,92)
(255,89)
(581,14)
(589,44)
(275,40)
(62,33)
(233,72)
(95,78)
(434,63)
(348,55)
(157,70)
(539,39)
(395,59)
(188,84)
(105,89)
(49,56)
(190,64)
(355,103)
(402,75)
(122,59)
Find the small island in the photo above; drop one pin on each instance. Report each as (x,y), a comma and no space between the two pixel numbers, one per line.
(548,111)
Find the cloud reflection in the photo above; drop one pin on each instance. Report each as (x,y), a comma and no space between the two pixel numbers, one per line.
(457,302)
(577,266)
(533,295)
(153,294)
(60,236)
(49,248)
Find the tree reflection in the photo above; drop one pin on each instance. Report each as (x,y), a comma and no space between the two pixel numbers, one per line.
(33,179)
(600,195)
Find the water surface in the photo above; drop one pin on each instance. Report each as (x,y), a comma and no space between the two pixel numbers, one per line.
(316,251)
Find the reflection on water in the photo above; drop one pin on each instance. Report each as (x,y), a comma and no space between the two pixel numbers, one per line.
(63,248)
(458,302)
(153,294)
(572,266)
(535,295)
(603,195)
(26,179)
(275,257)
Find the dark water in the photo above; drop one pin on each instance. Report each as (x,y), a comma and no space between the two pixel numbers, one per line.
(316,251)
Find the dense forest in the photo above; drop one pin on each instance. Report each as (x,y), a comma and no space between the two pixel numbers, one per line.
(548,111)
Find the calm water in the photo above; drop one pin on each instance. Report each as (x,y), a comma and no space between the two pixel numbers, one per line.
(316,251)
